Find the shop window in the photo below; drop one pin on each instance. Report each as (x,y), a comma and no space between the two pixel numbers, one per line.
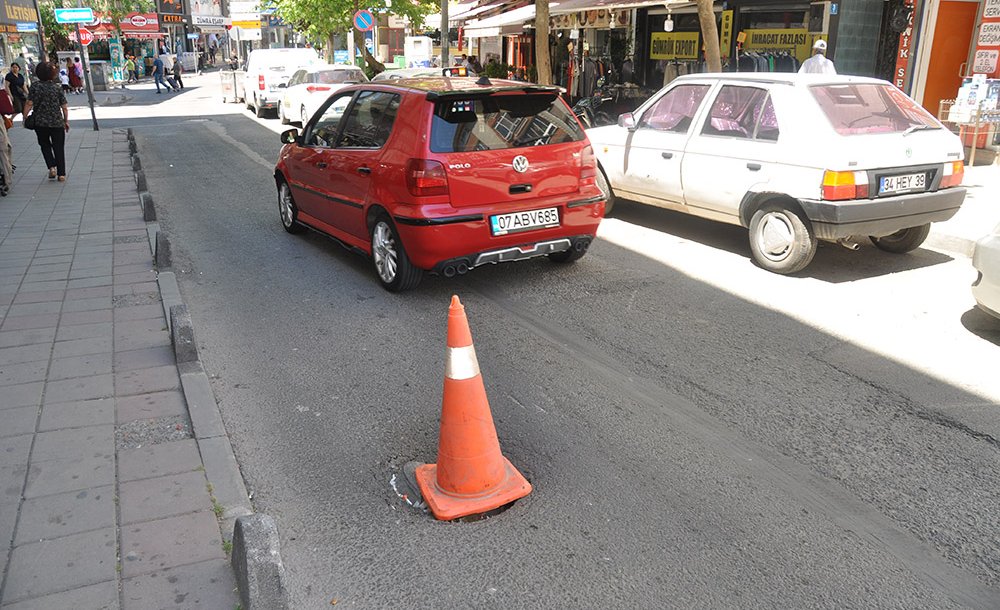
(676,109)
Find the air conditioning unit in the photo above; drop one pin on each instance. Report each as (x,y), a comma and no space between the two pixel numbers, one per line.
(819,17)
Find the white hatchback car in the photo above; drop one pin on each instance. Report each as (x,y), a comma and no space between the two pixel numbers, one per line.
(309,87)
(794,158)
(986,260)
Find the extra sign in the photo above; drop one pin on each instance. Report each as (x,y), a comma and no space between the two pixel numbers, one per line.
(364,20)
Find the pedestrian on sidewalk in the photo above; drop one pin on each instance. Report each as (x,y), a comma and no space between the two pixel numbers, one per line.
(158,74)
(818,63)
(178,70)
(130,73)
(47,104)
(64,80)
(78,67)
(16,88)
(75,82)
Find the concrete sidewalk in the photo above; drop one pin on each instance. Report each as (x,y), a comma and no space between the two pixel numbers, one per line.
(104,501)
(979,214)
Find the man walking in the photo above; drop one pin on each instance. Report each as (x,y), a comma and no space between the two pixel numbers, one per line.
(178,70)
(158,74)
(818,63)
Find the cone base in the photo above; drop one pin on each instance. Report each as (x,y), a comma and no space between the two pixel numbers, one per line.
(447,506)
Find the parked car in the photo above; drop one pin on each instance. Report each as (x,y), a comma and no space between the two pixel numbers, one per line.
(986,260)
(309,87)
(454,71)
(794,158)
(267,70)
(477,172)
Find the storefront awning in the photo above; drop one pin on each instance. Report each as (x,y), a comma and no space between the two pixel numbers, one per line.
(572,6)
(493,26)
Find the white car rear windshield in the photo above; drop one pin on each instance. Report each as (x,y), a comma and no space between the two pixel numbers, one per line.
(867,108)
(337,77)
(502,121)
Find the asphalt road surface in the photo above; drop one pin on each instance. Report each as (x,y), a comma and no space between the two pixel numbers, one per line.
(690,445)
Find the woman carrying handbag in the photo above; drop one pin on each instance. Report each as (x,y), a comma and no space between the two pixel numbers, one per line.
(47,112)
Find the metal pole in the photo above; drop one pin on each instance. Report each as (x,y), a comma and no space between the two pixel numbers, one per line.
(85,57)
(445,35)
(41,35)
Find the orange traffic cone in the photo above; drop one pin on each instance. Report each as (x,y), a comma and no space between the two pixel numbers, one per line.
(471,475)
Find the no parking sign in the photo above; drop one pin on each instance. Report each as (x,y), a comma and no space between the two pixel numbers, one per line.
(364,20)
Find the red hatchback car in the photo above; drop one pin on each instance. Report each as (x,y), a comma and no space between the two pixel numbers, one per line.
(442,175)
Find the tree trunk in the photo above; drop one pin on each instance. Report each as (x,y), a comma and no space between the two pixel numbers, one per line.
(329,48)
(543,63)
(359,43)
(710,33)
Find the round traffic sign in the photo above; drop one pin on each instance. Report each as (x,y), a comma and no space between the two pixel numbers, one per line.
(364,20)
(86,37)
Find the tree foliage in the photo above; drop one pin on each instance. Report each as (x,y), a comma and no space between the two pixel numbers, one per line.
(321,19)
(58,34)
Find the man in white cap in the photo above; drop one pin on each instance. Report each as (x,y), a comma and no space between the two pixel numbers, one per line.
(818,63)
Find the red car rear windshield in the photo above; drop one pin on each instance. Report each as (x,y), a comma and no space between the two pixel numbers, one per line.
(865,108)
(501,121)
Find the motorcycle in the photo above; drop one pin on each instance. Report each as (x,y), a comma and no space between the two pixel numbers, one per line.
(607,103)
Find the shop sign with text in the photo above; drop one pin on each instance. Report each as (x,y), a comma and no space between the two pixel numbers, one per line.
(796,41)
(674,45)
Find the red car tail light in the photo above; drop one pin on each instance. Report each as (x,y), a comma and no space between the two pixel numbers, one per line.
(588,166)
(260,82)
(315,88)
(953,173)
(425,178)
(839,186)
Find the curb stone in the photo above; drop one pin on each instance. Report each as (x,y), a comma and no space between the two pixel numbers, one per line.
(221,468)
(146,203)
(140,181)
(257,563)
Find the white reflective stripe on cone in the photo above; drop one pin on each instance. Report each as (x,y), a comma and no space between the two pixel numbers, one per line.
(460,363)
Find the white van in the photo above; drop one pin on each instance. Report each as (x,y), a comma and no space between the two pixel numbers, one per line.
(267,69)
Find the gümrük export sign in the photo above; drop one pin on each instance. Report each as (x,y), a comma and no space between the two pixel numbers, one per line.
(674,45)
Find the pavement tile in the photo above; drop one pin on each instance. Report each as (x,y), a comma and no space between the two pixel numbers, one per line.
(144,358)
(57,476)
(86,317)
(63,514)
(28,322)
(166,496)
(89,282)
(95,441)
(102,596)
(24,395)
(25,372)
(134,268)
(46,276)
(77,414)
(142,381)
(34,309)
(8,517)
(142,340)
(80,366)
(49,286)
(80,388)
(209,585)
(17,338)
(82,347)
(89,293)
(86,304)
(64,563)
(39,297)
(11,483)
(25,353)
(167,543)
(94,330)
(172,457)
(18,421)
(150,406)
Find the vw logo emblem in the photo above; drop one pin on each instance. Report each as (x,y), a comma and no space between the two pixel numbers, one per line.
(520,164)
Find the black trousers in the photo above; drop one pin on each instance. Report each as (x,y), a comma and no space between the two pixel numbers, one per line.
(52,141)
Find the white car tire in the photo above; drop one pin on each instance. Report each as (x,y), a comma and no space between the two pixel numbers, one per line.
(903,241)
(781,240)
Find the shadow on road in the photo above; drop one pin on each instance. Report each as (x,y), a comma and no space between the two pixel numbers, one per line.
(982,324)
(833,263)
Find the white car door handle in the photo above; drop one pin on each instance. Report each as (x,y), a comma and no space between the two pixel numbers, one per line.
(753,167)
(667,155)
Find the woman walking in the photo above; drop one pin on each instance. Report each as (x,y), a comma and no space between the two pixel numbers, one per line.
(16,89)
(75,82)
(47,104)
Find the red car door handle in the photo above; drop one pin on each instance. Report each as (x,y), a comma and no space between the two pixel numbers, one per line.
(321,165)
(364,170)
